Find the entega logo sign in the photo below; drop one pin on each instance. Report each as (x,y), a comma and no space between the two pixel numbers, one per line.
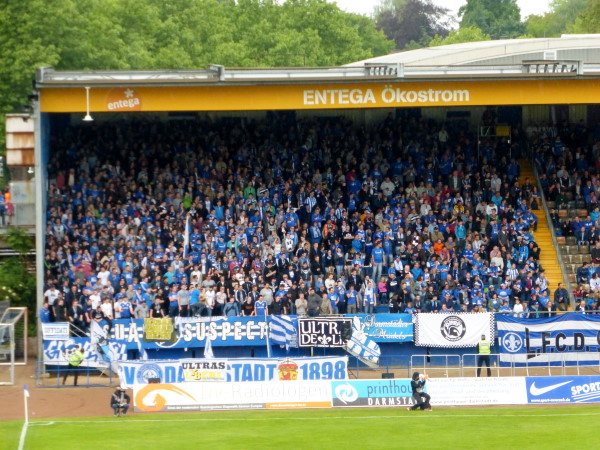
(120,99)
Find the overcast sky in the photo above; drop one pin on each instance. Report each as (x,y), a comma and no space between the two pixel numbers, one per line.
(366,6)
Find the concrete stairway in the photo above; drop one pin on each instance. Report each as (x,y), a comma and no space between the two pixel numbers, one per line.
(543,237)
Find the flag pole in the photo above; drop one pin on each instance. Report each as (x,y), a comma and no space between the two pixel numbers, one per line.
(269,355)
(208,352)
(26,403)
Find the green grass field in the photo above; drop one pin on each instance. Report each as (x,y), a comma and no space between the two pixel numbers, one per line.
(563,427)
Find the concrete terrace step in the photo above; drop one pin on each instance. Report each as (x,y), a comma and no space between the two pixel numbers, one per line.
(543,236)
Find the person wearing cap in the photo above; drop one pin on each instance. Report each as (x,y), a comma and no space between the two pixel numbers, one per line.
(119,402)
(504,292)
(505,308)
(422,400)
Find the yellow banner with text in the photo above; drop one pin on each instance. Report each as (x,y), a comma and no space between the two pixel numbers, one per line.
(322,96)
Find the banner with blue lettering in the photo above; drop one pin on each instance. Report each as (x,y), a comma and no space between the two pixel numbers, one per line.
(360,393)
(245,331)
(192,332)
(57,352)
(232,370)
(387,327)
(570,339)
(574,389)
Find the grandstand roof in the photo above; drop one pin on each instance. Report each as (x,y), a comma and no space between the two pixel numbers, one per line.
(582,47)
(569,55)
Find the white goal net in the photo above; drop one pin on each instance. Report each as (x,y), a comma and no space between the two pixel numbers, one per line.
(13,343)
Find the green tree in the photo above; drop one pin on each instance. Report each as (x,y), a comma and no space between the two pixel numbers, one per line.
(562,15)
(17,283)
(22,48)
(468,34)
(501,19)
(412,23)
(174,34)
(588,21)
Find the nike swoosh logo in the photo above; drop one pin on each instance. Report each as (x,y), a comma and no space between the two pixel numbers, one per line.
(539,391)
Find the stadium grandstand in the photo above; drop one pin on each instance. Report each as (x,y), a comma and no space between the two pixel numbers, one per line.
(456,178)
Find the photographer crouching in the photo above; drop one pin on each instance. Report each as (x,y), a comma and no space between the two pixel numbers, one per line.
(119,402)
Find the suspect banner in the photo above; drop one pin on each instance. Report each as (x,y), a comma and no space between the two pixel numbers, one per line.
(453,329)
(324,332)
(233,370)
(570,338)
(373,393)
(193,332)
(225,396)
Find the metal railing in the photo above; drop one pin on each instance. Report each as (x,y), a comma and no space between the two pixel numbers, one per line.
(502,365)
(52,375)
(561,263)
(437,365)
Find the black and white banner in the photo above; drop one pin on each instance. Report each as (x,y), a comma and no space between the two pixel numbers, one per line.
(453,330)
(570,338)
(321,332)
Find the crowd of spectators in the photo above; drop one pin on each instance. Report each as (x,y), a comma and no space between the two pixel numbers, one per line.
(568,161)
(288,216)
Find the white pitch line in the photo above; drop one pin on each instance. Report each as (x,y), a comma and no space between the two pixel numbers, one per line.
(22,438)
(224,419)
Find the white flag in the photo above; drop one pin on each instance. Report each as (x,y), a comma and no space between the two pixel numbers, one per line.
(208,353)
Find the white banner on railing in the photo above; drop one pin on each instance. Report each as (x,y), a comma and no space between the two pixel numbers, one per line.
(453,329)
(55,330)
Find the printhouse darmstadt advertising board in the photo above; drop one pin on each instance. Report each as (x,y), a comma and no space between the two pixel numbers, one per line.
(364,393)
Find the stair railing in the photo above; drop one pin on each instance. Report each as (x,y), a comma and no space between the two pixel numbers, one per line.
(563,269)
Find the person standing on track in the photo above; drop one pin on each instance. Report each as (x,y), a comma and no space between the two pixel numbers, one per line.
(483,350)
(421,398)
(75,360)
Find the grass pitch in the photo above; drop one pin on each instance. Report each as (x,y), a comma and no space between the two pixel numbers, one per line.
(563,427)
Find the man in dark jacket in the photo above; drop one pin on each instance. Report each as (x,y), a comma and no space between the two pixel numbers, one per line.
(119,402)
(314,303)
(421,398)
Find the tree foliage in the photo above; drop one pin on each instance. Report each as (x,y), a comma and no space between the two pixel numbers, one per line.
(17,284)
(412,23)
(560,19)
(174,34)
(589,19)
(467,34)
(501,19)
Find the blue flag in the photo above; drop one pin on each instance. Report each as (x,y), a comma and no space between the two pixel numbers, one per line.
(284,331)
